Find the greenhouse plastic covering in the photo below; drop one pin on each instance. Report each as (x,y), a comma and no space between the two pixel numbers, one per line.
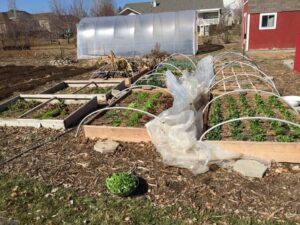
(174,32)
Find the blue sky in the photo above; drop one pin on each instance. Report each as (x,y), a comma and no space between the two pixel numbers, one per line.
(35,6)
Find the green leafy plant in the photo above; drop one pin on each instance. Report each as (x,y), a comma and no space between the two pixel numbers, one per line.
(19,107)
(121,183)
(236,128)
(214,119)
(58,109)
(149,104)
(142,96)
(116,121)
(155,81)
(256,132)
(285,138)
(295,131)
(182,64)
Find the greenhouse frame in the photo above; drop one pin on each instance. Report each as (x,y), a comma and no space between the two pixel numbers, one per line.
(136,35)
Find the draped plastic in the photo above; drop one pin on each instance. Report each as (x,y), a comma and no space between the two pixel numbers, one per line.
(174,32)
(176,131)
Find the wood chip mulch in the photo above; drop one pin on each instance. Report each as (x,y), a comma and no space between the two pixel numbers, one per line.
(72,162)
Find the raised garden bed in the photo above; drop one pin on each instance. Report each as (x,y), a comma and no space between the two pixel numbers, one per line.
(182,64)
(158,81)
(82,89)
(258,138)
(159,78)
(52,113)
(126,125)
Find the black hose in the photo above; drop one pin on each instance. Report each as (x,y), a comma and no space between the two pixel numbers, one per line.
(34,147)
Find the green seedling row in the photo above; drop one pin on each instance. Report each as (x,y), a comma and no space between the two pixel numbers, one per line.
(143,101)
(214,119)
(54,111)
(274,102)
(236,128)
(21,106)
(256,130)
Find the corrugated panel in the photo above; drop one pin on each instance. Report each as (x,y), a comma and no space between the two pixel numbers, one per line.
(137,35)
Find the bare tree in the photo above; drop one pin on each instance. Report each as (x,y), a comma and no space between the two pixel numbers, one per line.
(57,7)
(237,11)
(103,8)
(64,24)
(12,4)
(78,9)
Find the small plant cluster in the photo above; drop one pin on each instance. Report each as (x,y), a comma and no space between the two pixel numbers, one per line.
(253,130)
(180,64)
(278,128)
(143,101)
(256,131)
(121,183)
(19,107)
(274,102)
(154,81)
(236,128)
(56,110)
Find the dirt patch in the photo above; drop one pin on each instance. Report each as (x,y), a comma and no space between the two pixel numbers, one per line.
(72,162)
(24,78)
(39,55)
(272,63)
(208,48)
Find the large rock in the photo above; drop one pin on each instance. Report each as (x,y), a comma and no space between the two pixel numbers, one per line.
(107,146)
(250,168)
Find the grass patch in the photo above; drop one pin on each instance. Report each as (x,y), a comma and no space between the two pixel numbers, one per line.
(33,202)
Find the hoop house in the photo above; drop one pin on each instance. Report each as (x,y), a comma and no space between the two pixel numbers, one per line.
(175,32)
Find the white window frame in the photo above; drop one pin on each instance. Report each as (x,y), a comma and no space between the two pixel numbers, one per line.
(268,14)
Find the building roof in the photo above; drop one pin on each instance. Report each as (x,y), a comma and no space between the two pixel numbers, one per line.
(42,15)
(174,5)
(268,6)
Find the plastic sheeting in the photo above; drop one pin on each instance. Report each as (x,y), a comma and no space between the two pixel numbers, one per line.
(174,32)
(175,132)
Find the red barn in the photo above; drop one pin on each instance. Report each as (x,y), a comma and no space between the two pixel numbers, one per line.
(270,24)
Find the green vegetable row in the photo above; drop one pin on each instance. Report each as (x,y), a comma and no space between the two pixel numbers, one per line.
(214,119)
(143,101)
(255,130)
